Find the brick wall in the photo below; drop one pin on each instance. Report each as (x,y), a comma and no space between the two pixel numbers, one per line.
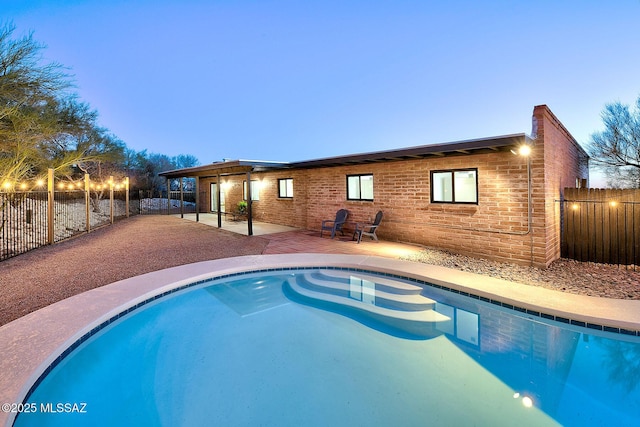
(496,228)
(564,162)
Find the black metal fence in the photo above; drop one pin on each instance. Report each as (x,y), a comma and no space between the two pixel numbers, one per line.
(173,203)
(77,211)
(33,218)
(23,222)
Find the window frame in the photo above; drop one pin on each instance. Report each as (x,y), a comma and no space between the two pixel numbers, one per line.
(255,190)
(359,176)
(286,195)
(452,173)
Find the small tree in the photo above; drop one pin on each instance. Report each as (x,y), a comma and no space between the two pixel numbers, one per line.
(28,90)
(616,149)
(42,124)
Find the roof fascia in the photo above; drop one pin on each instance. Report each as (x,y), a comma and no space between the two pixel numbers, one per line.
(227,167)
(466,147)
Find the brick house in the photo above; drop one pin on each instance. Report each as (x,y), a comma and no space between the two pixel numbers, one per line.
(479,197)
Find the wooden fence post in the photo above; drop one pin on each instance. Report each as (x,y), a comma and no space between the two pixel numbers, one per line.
(126,195)
(111,199)
(87,201)
(50,207)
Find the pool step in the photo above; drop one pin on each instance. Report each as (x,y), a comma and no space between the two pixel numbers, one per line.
(363,288)
(359,296)
(393,285)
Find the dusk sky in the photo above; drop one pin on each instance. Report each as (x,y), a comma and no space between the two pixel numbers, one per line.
(298,80)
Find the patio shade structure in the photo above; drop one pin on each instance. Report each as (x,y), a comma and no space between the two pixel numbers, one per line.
(218,170)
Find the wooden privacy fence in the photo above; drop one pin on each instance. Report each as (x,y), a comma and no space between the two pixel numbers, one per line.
(601,225)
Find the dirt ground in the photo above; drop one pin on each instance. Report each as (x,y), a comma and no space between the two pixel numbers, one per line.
(125,249)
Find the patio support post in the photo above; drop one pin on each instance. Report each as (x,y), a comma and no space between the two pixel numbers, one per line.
(249,203)
(181,198)
(168,196)
(218,185)
(197,198)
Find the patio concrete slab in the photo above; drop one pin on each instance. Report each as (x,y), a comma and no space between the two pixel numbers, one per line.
(239,227)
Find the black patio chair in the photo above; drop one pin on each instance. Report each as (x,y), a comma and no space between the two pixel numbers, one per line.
(334,225)
(368,229)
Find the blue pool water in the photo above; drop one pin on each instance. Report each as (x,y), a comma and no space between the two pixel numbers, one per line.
(280,349)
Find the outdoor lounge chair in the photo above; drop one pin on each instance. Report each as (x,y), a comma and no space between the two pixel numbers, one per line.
(334,225)
(368,229)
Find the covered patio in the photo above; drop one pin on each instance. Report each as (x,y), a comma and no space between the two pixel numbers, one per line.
(286,240)
(219,171)
(240,227)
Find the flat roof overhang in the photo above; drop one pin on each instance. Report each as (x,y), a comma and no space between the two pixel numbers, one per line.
(229,167)
(240,167)
(468,147)
(460,148)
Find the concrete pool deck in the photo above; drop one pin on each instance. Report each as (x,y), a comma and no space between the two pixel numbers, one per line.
(31,344)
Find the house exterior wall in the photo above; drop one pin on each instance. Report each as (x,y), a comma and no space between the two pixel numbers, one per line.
(495,228)
(564,163)
(284,211)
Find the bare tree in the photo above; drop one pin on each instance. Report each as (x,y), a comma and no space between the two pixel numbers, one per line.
(616,149)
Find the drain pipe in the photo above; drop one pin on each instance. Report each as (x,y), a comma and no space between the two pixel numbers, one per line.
(530,208)
(525,151)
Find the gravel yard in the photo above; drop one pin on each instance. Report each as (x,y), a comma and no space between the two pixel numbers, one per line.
(128,248)
(565,275)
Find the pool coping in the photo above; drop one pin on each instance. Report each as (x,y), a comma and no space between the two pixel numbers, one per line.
(31,344)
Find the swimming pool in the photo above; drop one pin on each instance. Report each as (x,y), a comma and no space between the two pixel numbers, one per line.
(323,347)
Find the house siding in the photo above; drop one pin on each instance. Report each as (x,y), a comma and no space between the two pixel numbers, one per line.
(564,163)
(495,228)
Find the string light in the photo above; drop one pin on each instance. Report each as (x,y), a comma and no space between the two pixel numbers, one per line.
(8,185)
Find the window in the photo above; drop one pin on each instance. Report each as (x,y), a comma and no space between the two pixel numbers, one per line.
(454,186)
(285,188)
(360,187)
(255,190)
